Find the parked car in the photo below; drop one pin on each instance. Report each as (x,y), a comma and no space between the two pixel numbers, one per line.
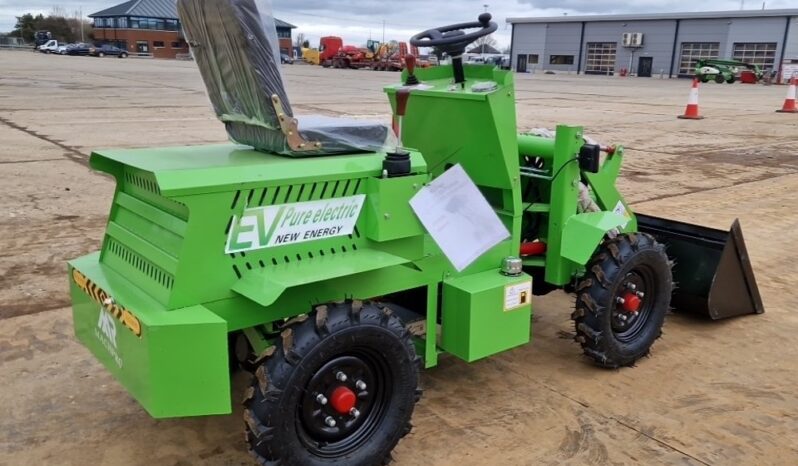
(51,46)
(109,50)
(286,59)
(79,49)
(63,48)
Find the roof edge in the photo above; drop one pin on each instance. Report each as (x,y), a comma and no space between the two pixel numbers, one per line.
(657,16)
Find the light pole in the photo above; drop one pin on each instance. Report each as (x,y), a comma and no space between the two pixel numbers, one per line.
(486,7)
(80,22)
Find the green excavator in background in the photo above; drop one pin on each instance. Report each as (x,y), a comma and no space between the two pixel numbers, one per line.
(727,71)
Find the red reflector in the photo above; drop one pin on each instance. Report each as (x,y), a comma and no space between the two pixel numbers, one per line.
(534,248)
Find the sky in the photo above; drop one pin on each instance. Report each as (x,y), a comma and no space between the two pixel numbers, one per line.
(358,20)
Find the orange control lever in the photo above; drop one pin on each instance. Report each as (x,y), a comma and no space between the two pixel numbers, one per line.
(410,63)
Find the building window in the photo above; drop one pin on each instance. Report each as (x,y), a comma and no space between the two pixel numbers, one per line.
(121,23)
(284,33)
(694,51)
(158,44)
(600,57)
(561,60)
(762,54)
(142,46)
(154,23)
(523,60)
(177,45)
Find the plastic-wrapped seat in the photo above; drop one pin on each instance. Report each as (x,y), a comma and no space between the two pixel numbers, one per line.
(235,45)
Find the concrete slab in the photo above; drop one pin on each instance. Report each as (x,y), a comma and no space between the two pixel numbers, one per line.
(712,393)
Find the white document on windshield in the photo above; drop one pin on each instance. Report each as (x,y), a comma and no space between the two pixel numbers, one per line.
(458,217)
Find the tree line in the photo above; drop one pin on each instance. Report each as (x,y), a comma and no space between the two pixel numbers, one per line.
(62,27)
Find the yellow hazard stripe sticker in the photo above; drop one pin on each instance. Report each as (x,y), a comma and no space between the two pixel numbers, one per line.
(107,302)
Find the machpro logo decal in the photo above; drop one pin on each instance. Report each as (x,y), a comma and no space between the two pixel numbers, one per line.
(278,225)
(97,294)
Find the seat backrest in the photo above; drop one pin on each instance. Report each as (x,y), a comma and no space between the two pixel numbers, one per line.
(237,51)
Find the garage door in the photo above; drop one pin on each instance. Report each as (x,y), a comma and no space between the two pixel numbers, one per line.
(600,57)
(694,51)
(762,54)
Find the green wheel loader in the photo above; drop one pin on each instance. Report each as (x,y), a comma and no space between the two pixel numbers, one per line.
(333,258)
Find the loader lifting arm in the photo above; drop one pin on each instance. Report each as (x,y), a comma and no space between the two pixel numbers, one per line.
(711,268)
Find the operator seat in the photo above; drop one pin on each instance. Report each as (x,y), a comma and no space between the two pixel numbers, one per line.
(237,51)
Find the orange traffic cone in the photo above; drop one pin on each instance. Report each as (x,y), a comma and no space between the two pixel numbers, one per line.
(691,112)
(789,102)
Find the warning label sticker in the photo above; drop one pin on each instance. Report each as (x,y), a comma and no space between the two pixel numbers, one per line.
(518,295)
(620,209)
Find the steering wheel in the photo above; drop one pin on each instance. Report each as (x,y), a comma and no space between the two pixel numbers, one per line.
(453,39)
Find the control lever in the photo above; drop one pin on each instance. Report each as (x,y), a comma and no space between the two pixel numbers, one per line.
(410,63)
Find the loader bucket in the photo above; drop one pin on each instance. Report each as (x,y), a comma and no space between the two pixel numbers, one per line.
(712,271)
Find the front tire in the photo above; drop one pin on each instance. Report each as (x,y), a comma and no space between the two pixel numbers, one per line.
(622,300)
(301,410)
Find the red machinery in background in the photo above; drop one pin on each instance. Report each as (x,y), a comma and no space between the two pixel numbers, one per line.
(388,56)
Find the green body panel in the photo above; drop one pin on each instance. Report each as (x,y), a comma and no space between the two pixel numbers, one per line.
(476,130)
(605,190)
(178,366)
(196,244)
(473,326)
(388,214)
(241,312)
(266,285)
(146,243)
(583,231)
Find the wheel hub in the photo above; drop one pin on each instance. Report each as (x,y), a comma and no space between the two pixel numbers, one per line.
(631,302)
(343,400)
(342,403)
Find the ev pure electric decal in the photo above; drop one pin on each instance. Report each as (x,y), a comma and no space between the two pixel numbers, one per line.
(278,225)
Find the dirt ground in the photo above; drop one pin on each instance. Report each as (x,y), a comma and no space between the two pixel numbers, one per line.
(711,393)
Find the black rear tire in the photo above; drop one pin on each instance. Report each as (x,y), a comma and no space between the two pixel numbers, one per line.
(632,266)
(719,79)
(285,422)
